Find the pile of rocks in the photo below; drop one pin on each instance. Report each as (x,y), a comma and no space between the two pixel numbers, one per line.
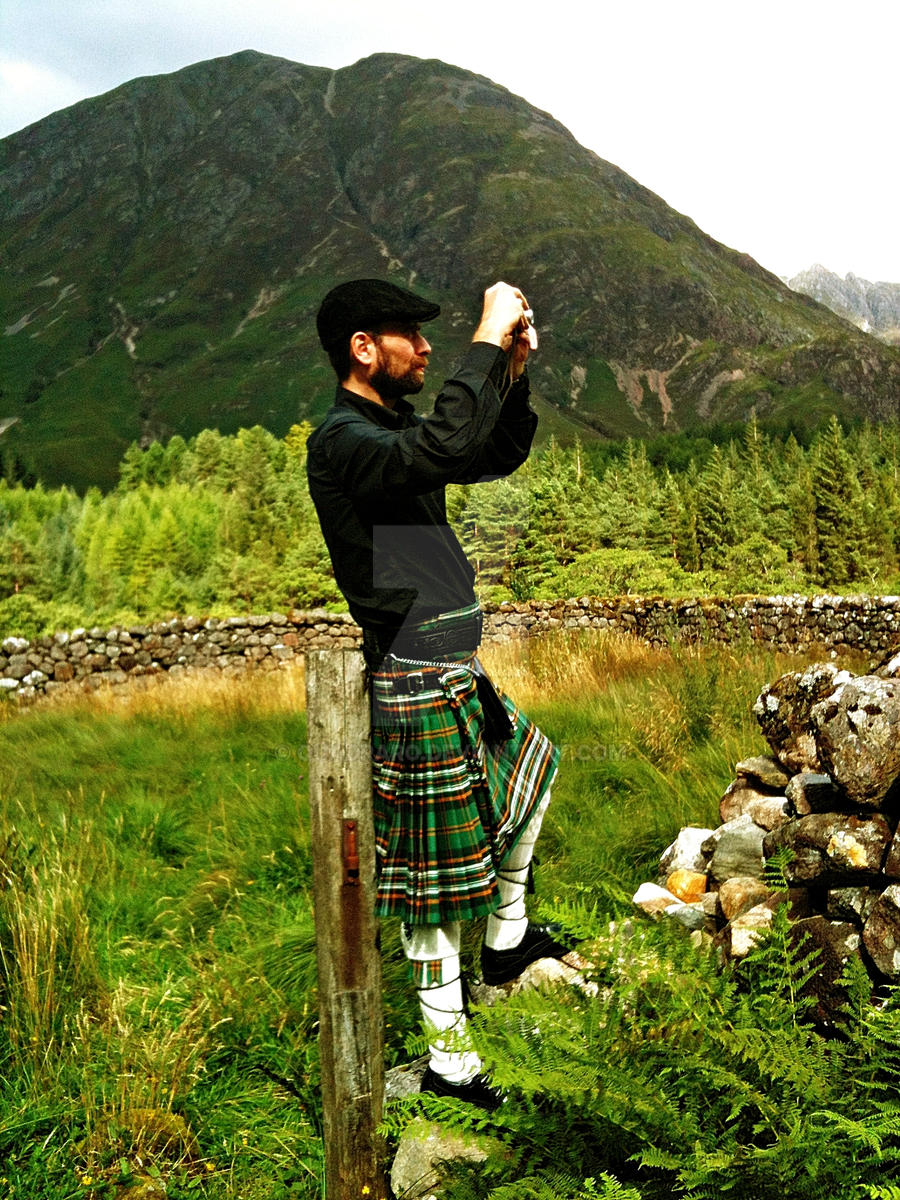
(829,794)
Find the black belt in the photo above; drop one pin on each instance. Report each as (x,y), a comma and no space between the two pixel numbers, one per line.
(413,683)
(457,637)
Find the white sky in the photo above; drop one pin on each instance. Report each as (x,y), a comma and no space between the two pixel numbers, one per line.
(772,123)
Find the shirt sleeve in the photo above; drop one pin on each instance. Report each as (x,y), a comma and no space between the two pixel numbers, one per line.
(510,441)
(370,460)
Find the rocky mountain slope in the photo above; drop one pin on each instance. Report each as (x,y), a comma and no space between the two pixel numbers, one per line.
(873,307)
(164,248)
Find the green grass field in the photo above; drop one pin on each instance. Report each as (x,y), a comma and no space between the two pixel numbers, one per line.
(157,967)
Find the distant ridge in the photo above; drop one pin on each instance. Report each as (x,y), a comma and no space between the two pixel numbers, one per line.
(873,307)
(164,248)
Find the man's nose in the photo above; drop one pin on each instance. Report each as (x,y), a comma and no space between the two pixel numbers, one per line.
(422,346)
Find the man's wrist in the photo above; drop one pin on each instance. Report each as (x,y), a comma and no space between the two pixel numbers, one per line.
(492,334)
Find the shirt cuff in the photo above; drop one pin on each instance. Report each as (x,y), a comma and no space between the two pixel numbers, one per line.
(489,359)
(485,357)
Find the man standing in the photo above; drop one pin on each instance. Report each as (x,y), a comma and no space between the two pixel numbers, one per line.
(461,777)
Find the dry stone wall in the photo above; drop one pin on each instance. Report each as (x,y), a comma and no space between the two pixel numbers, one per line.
(793,623)
(89,658)
(86,658)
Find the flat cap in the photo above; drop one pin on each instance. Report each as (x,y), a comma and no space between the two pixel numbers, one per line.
(362,303)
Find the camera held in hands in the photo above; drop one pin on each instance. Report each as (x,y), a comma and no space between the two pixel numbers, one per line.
(527,326)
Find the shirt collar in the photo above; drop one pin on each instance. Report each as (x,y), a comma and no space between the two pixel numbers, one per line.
(378,413)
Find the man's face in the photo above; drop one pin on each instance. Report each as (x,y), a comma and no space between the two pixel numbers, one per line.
(402,356)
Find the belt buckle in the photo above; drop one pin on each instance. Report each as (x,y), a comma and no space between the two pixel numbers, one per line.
(415,683)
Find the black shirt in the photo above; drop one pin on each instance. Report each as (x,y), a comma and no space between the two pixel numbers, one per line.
(377,477)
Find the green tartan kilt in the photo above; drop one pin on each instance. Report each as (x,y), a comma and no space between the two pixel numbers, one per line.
(448,808)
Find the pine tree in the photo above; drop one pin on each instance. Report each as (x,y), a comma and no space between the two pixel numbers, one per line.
(630,504)
(799,536)
(681,519)
(153,468)
(131,468)
(714,499)
(876,549)
(838,508)
(207,453)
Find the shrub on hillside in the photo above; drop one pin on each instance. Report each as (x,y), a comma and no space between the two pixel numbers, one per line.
(25,616)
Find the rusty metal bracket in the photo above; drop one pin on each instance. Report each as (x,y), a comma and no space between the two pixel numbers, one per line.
(350,855)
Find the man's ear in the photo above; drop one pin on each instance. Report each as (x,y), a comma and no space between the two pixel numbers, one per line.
(362,349)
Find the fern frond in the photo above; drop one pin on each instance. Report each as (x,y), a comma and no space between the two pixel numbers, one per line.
(775,869)
(565,1187)
(712,1080)
(863,1133)
(795,1060)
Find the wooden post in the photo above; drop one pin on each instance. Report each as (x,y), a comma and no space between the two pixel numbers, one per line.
(351,1035)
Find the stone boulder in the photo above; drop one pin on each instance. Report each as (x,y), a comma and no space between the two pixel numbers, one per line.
(881,935)
(783,711)
(423,1150)
(888,666)
(891,865)
(811,791)
(686,852)
(653,899)
(737,849)
(857,732)
(852,904)
(692,916)
(687,885)
(764,772)
(405,1079)
(742,934)
(741,893)
(739,797)
(829,848)
(769,812)
(832,942)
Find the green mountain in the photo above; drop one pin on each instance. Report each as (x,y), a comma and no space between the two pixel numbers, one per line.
(164,248)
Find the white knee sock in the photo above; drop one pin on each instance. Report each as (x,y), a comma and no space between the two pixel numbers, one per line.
(433,951)
(506,927)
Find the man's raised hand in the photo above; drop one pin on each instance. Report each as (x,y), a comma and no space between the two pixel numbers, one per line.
(504,308)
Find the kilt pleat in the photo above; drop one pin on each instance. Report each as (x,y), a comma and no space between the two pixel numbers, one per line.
(448,808)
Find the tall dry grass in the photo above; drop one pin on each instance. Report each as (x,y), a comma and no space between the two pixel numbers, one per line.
(152,840)
(49,974)
(569,663)
(249,691)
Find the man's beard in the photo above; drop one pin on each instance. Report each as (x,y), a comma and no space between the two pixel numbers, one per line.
(390,386)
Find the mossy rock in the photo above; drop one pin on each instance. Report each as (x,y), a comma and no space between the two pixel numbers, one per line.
(153,1132)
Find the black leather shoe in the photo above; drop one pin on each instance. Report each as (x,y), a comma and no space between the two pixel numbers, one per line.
(540,941)
(476,1091)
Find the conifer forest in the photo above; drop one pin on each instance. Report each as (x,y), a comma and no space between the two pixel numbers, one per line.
(224,524)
